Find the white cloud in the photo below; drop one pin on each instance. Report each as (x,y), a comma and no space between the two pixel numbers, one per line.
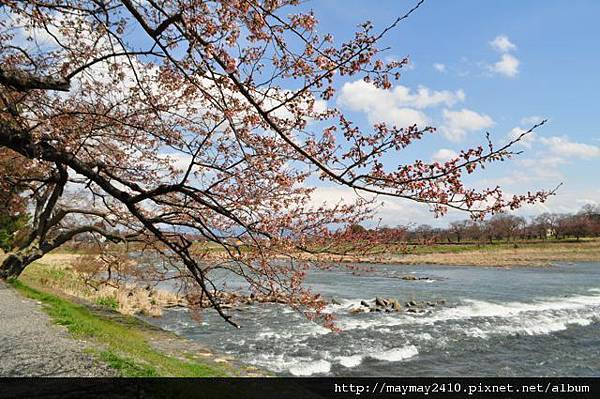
(402,212)
(563,147)
(391,211)
(507,66)
(531,120)
(458,123)
(543,168)
(526,141)
(444,154)
(502,44)
(545,161)
(331,196)
(276,97)
(546,165)
(567,200)
(439,67)
(401,106)
(178,160)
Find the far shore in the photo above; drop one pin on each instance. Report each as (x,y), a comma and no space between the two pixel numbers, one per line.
(519,254)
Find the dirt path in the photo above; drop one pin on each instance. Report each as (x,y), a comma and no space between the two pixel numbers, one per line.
(31,345)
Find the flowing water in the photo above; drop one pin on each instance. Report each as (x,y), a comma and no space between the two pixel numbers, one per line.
(495,322)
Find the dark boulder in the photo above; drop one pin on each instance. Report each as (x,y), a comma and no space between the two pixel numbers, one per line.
(380,302)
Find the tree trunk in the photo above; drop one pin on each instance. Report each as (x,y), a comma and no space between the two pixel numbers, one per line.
(14,264)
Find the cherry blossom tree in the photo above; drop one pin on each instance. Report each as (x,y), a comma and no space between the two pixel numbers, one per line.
(166,123)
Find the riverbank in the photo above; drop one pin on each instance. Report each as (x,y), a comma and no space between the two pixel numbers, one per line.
(119,345)
(32,345)
(58,273)
(528,253)
(525,254)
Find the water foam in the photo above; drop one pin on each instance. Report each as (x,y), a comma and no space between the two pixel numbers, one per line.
(345,305)
(298,366)
(306,368)
(396,354)
(389,355)
(533,325)
(473,318)
(474,309)
(350,361)
(536,318)
(300,333)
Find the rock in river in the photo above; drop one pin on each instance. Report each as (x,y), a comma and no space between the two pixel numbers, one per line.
(395,304)
(380,302)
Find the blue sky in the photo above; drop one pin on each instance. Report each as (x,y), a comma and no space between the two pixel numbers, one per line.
(494,66)
(480,66)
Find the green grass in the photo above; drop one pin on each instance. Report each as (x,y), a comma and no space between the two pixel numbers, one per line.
(126,366)
(124,339)
(108,301)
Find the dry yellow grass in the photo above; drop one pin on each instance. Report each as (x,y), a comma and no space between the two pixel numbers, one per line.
(55,272)
(522,255)
(59,260)
(500,255)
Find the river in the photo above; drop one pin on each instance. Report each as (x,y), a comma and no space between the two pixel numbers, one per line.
(495,322)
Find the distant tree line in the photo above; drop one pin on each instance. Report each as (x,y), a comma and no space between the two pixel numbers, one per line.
(500,227)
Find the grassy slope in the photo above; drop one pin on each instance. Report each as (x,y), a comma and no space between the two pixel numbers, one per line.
(124,339)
